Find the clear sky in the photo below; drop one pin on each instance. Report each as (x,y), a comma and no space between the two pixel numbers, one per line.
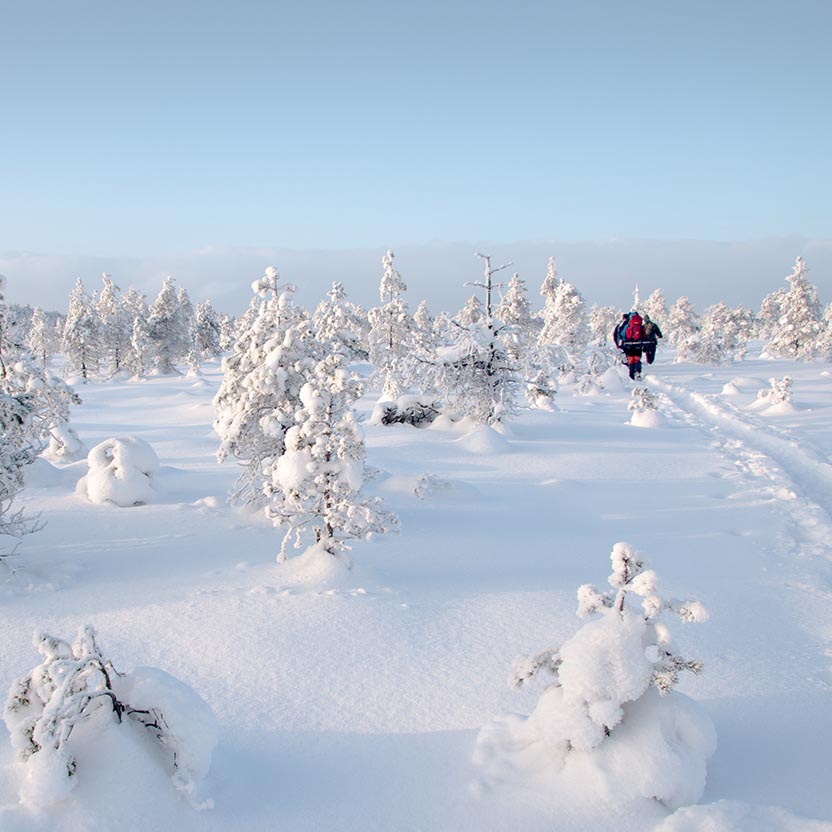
(205,139)
(131,129)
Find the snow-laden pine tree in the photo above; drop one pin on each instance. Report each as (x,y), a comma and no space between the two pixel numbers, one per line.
(514,312)
(60,713)
(564,325)
(472,370)
(34,412)
(825,338)
(424,332)
(207,331)
(340,325)
(602,322)
(391,341)
(682,327)
(167,329)
(656,307)
(769,313)
(41,337)
(471,313)
(260,390)
(799,324)
(116,327)
(192,355)
(718,337)
(610,713)
(314,486)
(82,334)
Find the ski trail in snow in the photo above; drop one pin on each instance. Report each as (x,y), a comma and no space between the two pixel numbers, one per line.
(801,484)
(806,470)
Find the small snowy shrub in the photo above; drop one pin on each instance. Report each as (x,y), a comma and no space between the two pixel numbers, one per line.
(778,392)
(121,471)
(429,484)
(644,408)
(59,713)
(643,399)
(610,712)
(541,389)
(406,410)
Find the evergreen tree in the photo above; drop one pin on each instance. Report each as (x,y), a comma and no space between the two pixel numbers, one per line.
(656,307)
(115,327)
(207,331)
(391,333)
(260,390)
(82,334)
(340,325)
(799,325)
(167,329)
(314,485)
(682,327)
(41,337)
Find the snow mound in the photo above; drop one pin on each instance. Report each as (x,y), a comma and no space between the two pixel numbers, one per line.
(611,380)
(734,816)
(780,409)
(315,569)
(483,439)
(743,384)
(121,471)
(648,419)
(64,445)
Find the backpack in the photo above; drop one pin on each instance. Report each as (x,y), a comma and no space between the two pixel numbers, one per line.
(634,330)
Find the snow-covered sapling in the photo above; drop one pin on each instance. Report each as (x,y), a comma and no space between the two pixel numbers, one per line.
(610,708)
(121,471)
(779,391)
(58,713)
(643,399)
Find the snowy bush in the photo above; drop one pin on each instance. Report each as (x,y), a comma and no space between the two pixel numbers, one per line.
(611,711)
(644,408)
(121,471)
(779,391)
(59,714)
(406,410)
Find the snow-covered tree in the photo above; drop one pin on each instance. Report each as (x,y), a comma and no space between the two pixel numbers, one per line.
(611,705)
(262,379)
(391,341)
(717,339)
(825,337)
(82,334)
(769,313)
(471,313)
(799,325)
(192,354)
(76,691)
(602,321)
(565,323)
(41,337)
(34,412)
(656,307)
(168,329)
(682,327)
(314,485)
(340,325)
(116,327)
(474,372)
(207,331)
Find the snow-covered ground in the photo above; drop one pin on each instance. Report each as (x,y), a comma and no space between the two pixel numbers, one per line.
(356,705)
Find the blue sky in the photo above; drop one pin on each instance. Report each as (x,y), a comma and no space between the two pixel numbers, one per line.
(170,127)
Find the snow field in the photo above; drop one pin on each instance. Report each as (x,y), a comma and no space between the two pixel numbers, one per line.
(357,706)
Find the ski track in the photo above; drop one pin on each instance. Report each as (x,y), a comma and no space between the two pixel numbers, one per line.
(801,488)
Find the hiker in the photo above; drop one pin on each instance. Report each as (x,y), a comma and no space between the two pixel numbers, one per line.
(651,334)
(628,337)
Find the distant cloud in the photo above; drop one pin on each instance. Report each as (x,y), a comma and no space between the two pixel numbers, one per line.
(604,271)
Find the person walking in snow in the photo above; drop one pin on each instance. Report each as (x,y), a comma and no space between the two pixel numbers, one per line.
(651,335)
(629,338)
